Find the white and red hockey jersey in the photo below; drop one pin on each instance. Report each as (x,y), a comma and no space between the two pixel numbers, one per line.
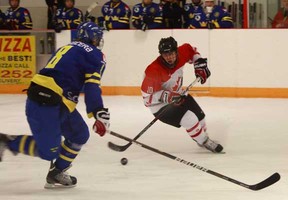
(159,78)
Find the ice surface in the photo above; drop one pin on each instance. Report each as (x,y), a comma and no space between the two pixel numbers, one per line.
(252,131)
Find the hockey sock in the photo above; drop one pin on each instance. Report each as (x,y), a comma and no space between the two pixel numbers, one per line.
(194,128)
(203,125)
(197,133)
(23,144)
(68,153)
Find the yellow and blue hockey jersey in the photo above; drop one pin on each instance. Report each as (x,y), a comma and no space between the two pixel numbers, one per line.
(18,19)
(196,17)
(116,16)
(66,75)
(69,18)
(150,15)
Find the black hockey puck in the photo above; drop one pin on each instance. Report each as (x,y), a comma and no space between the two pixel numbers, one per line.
(124,161)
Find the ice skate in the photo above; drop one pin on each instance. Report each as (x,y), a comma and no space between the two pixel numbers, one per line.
(212,146)
(59,179)
(4,139)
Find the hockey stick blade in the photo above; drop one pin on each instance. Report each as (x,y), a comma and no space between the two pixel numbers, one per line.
(263,184)
(267,182)
(92,6)
(89,9)
(120,148)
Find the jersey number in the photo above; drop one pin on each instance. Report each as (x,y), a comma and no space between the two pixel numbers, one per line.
(58,56)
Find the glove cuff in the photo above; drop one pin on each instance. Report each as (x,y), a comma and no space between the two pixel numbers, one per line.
(97,110)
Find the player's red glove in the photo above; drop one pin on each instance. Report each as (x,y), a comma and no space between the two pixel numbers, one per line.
(201,69)
(169,97)
(102,123)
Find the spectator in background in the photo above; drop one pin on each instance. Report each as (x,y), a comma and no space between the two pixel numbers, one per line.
(116,15)
(68,17)
(194,15)
(60,3)
(182,3)
(280,20)
(172,13)
(16,17)
(208,16)
(2,20)
(53,5)
(147,15)
(217,16)
(51,12)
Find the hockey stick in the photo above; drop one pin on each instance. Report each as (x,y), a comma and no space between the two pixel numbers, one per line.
(120,148)
(263,184)
(89,9)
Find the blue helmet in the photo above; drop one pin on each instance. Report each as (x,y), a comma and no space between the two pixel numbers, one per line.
(91,33)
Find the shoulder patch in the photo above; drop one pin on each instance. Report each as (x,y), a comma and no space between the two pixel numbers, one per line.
(186,7)
(216,14)
(136,9)
(152,10)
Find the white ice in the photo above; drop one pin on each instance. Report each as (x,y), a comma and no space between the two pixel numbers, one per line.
(252,131)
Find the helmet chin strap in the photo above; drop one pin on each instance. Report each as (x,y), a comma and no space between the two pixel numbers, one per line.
(170,66)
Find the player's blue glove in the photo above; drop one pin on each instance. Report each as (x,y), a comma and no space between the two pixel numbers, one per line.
(59,27)
(91,19)
(102,123)
(148,19)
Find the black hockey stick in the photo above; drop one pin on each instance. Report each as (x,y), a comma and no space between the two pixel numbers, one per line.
(263,184)
(120,148)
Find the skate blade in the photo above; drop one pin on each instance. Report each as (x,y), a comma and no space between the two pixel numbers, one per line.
(57,186)
(215,152)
